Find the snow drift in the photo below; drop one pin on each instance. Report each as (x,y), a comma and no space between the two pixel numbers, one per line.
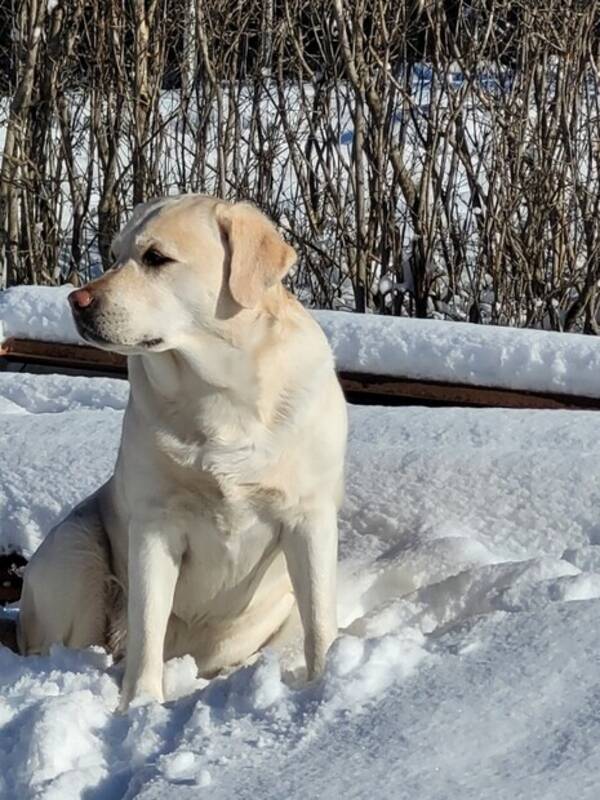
(469,597)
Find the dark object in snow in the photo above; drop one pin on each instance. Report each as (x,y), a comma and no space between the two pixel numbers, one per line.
(11,569)
(8,633)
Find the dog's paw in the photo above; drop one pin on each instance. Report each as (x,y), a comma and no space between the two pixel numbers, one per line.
(138,694)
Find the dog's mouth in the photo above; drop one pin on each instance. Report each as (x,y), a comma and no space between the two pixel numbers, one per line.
(150,343)
(89,332)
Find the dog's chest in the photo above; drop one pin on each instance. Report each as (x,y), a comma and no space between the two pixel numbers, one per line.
(226,553)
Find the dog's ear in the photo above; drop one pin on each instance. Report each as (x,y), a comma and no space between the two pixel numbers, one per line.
(259,257)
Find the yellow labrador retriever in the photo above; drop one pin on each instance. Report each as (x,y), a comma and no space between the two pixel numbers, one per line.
(223,504)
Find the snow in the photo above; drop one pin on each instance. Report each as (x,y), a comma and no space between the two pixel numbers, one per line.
(38,312)
(469,598)
(456,352)
(460,352)
(59,439)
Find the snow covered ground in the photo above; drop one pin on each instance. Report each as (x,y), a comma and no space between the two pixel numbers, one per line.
(469,661)
(456,352)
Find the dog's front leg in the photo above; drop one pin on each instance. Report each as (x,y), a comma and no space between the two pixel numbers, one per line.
(154,561)
(310,545)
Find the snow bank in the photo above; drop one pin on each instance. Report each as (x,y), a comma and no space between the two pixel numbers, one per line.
(58,443)
(469,596)
(453,352)
(500,708)
(459,352)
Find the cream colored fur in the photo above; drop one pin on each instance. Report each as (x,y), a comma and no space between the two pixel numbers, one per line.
(221,511)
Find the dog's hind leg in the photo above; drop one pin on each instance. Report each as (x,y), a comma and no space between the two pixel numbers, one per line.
(65,585)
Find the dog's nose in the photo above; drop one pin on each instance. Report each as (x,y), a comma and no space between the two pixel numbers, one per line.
(81,298)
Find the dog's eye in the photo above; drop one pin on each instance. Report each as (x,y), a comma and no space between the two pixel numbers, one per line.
(154,258)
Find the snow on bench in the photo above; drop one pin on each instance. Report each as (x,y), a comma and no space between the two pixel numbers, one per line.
(459,352)
(410,359)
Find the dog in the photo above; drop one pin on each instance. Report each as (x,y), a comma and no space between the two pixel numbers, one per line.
(220,517)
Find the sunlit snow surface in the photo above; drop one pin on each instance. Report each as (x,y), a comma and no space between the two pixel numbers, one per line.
(468,665)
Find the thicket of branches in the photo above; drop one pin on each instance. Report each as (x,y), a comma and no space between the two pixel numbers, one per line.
(424,158)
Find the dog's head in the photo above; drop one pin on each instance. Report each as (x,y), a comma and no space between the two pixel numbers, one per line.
(181,264)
